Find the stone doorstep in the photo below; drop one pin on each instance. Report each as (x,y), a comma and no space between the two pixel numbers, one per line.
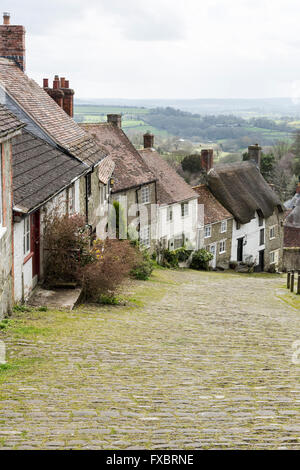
(61,299)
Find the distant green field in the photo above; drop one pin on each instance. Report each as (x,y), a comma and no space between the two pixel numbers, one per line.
(133,122)
(104,110)
(131,117)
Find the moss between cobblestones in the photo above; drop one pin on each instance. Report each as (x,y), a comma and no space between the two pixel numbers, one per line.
(193,360)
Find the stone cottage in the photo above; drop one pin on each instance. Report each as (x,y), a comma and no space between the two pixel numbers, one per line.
(77,173)
(10,127)
(134,183)
(258,226)
(217,231)
(177,210)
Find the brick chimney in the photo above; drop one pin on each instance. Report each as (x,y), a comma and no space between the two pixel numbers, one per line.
(254,154)
(207,159)
(115,119)
(61,93)
(12,42)
(148,140)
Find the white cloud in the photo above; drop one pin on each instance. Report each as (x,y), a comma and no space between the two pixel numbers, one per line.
(162,48)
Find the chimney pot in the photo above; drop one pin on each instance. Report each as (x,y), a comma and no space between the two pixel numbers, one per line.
(12,42)
(148,140)
(45,83)
(62,82)
(254,153)
(207,159)
(67,84)
(6,18)
(55,84)
(115,119)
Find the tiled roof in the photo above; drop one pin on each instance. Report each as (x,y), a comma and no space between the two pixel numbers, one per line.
(241,188)
(130,168)
(40,170)
(213,210)
(8,122)
(171,187)
(105,169)
(47,114)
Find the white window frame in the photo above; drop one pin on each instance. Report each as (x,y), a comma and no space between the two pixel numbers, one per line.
(145,194)
(184,209)
(145,236)
(27,236)
(273,229)
(71,199)
(224,226)
(169,214)
(207,228)
(222,244)
(272,257)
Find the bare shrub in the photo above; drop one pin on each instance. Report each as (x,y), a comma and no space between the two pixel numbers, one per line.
(112,262)
(66,247)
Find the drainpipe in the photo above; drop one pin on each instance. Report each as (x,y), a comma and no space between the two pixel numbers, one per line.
(86,202)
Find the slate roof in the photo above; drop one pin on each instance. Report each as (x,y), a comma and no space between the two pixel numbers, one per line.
(40,170)
(130,168)
(8,122)
(242,190)
(171,187)
(213,211)
(42,109)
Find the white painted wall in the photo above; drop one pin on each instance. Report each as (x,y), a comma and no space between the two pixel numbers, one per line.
(179,225)
(251,232)
(23,282)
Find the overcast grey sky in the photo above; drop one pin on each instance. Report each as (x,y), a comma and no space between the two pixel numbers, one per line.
(164,48)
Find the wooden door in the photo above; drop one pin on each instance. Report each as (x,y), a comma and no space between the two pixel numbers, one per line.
(240,247)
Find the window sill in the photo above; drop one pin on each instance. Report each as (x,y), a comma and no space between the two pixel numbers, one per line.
(272,238)
(222,252)
(28,257)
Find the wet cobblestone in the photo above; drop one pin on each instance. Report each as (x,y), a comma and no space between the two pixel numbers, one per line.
(196,361)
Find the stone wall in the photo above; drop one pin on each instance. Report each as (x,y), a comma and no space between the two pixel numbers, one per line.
(274,244)
(6,258)
(216,237)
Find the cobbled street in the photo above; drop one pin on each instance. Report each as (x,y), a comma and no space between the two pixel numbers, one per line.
(193,361)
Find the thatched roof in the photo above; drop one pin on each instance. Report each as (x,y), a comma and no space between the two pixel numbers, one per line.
(241,188)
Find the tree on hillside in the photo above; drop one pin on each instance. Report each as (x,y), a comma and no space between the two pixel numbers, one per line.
(192,163)
(267,166)
(296,151)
